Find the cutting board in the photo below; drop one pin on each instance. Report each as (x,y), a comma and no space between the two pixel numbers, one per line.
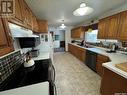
(122,66)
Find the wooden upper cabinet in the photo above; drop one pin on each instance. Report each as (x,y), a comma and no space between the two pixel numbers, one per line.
(18,18)
(122,32)
(6,44)
(102,28)
(27,16)
(42,26)
(18,11)
(113,24)
(23,14)
(77,32)
(35,24)
(113,27)
(3,39)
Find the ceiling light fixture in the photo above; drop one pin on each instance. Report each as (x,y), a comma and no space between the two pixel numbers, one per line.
(83,10)
(63,25)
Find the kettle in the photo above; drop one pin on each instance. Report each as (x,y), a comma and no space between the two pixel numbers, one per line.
(28,61)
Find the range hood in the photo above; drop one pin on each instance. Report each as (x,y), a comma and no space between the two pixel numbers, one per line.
(20,32)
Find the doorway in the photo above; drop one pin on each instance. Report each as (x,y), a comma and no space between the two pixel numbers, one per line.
(59,42)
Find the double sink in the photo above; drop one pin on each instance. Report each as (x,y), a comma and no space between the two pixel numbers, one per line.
(84,46)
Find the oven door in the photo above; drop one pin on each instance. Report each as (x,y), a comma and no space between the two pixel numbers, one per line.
(53,90)
(51,74)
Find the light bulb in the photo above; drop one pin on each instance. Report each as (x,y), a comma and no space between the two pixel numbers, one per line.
(82,5)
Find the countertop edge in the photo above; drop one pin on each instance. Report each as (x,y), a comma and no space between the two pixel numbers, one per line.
(28,89)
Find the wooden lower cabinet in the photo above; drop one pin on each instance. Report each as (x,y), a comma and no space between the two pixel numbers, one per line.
(77,52)
(113,83)
(100,60)
(6,43)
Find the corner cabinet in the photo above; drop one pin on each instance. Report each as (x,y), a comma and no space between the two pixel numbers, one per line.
(100,60)
(77,32)
(6,43)
(122,34)
(113,84)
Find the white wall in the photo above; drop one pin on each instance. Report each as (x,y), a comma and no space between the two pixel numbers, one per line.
(56,44)
(68,36)
(62,35)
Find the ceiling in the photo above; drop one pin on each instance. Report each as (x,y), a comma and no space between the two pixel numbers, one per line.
(56,10)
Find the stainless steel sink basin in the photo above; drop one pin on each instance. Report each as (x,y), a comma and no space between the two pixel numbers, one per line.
(84,46)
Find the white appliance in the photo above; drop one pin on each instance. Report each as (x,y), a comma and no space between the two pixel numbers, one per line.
(46,44)
(57,44)
(19,32)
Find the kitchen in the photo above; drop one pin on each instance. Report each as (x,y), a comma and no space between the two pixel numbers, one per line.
(95,58)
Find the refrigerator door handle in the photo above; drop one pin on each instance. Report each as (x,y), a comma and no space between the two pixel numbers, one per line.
(54,74)
(55,90)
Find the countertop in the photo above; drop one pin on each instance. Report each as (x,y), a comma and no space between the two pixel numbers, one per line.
(115,58)
(36,89)
(42,56)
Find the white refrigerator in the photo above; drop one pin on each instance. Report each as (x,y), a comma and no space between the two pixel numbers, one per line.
(46,44)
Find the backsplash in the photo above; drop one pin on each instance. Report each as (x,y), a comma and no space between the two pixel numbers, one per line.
(9,64)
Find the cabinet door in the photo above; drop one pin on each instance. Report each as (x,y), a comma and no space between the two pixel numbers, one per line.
(122,33)
(113,83)
(18,18)
(113,24)
(80,54)
(77,32)
(43,26)
(18,12)
(102,27)
(35,24)
(27,17)
(6,44)
(3,38)
(100,60)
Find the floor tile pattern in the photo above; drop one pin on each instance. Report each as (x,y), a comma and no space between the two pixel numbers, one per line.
(73,77)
